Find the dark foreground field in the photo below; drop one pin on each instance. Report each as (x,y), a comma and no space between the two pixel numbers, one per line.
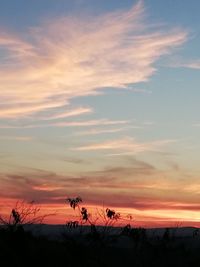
(98,246)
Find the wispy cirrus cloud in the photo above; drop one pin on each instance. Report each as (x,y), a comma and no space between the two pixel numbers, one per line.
(191,64)
(87,123)
(25,109)
(102,131)
(125,146)
(138,90)
(70,113)
(71,57)
(83,123)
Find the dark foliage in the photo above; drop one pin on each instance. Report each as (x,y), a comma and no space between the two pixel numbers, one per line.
(111,214)
(84,213)
(74,202)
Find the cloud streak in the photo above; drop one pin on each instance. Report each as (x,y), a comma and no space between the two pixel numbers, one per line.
(125,146)
(103,131)
(72,57)
(70,113)
(83,123)
(192,64)
(89,123)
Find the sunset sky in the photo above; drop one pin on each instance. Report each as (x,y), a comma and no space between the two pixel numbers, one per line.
(100,99)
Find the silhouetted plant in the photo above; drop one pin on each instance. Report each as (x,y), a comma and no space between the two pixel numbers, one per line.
(16,216)
(74,202)
(108,217)
(23,214)
(72,224)
(84,213)
(110,213)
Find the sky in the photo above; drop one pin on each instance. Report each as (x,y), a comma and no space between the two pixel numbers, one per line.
(100,99)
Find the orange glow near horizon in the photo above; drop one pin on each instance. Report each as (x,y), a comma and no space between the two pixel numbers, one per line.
(137,218)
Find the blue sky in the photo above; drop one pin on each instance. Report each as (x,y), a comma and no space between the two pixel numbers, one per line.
(92,87)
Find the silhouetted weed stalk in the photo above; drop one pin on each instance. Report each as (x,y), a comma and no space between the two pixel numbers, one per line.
(23,214)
